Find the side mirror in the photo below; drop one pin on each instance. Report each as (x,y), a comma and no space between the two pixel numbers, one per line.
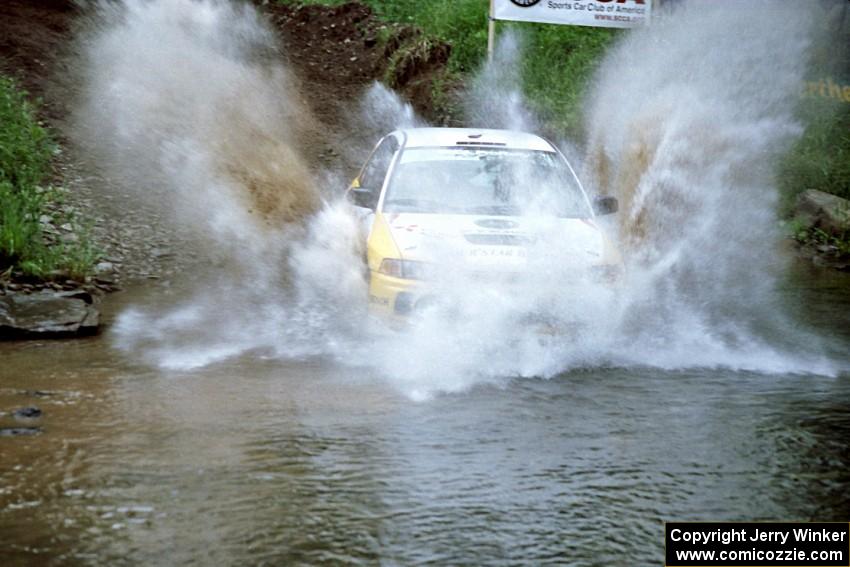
(362,197)
(605,206)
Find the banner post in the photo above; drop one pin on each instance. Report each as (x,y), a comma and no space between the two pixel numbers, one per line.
(491,31)
(594,13)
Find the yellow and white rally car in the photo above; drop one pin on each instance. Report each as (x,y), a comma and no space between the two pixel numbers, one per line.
(436,202)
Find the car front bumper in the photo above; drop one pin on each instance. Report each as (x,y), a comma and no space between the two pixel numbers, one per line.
(399,298)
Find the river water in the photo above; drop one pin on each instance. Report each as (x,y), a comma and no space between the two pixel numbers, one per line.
(261,461)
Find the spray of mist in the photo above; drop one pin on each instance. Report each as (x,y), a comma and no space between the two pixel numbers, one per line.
(688,120)
(187,104)
(495,99)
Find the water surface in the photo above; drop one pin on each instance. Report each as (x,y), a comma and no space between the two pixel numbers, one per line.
(261,461)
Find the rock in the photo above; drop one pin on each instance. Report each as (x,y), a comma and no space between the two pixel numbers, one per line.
(18,431)
(80,294)
(48,315)
(45,219)
(27,413)
(829,213)
(104,268)
(70,237)
(37,393)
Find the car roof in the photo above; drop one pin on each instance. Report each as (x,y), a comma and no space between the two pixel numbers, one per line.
(476,137)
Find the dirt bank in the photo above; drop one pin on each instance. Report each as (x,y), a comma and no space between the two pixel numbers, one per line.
(339,51)
(335,52)
(33,33)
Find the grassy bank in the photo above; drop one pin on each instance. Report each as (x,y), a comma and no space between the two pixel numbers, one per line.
(821,158)
(27,206)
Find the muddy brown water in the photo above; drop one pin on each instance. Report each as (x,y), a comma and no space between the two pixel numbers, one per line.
(260,462)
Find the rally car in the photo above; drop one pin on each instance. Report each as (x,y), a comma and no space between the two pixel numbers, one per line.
(461,206)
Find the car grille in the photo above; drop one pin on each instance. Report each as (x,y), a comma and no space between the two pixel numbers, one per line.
(499,239)
(497,278)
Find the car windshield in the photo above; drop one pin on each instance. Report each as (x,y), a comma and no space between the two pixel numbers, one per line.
(484,181)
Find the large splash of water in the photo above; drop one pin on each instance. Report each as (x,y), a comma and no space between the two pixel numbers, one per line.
(188,104)
(687,120)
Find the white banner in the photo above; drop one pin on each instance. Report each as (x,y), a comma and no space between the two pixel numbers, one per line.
(600,13)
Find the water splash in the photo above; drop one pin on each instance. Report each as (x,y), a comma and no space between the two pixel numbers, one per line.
(187,105)
(689,119)
(383,110)
(495,99)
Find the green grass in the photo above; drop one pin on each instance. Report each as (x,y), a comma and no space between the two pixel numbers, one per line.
(26,151)
(821,157)
(25,147)
(810,236)
(819,160)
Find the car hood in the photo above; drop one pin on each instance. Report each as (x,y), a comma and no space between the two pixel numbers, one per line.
(496,242)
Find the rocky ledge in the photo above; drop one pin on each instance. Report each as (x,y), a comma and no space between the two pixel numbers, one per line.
(48,315)
(825,223)
(829,213)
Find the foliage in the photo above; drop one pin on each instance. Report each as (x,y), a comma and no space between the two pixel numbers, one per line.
(25,147)
(821,157)
(815,237)
(26,150)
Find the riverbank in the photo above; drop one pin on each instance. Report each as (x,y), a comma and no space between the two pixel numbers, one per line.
(47,259)
(69,234)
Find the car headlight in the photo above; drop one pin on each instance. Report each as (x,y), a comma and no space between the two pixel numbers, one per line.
(406,269)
